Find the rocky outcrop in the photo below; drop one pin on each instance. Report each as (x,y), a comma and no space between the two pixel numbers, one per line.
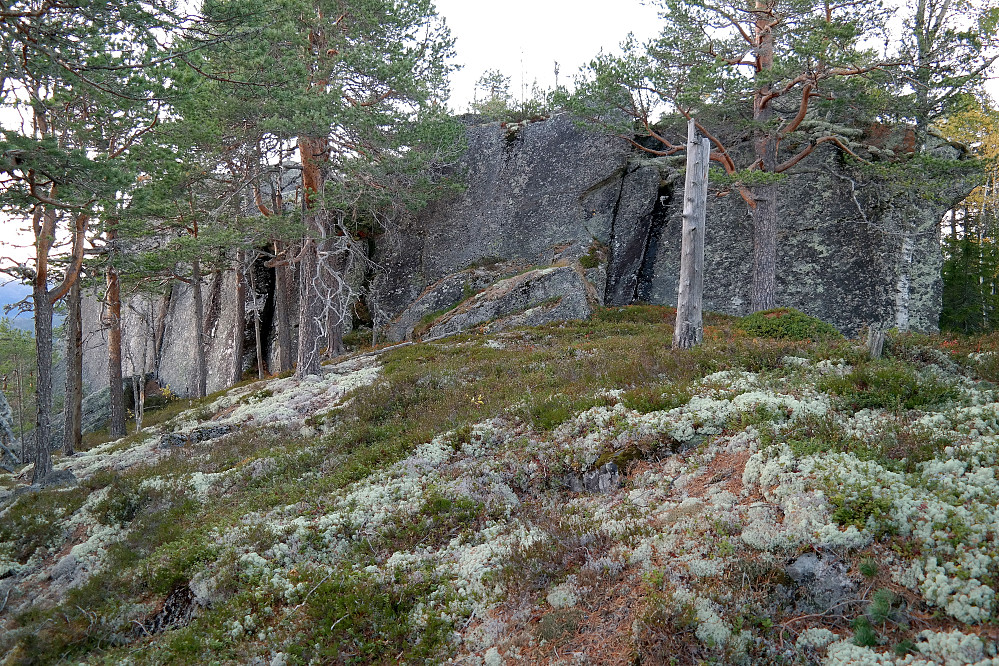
(853,250)
(8,459)
(536,297)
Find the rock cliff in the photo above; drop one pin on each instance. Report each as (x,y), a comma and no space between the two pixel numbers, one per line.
(538,194)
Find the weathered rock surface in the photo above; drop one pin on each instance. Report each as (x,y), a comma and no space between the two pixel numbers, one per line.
(195,436)
(536,194)
(537,297)
(852,251)
(604,479)
(824,578)
(8,459)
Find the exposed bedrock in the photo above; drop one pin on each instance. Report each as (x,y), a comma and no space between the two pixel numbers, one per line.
(852,251)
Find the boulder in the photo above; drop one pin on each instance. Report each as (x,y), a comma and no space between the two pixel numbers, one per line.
(533,195)
(540,296)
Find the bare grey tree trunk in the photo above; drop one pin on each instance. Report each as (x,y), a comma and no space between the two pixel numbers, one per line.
(309,310)
(257,337)
(117,425)
(239,325)
(73,409)
(159,333)
(903,294)
(200,364)
(689,329)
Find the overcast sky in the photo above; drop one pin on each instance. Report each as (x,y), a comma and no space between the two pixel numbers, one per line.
(525,38)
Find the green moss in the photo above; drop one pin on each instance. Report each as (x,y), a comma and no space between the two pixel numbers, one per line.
(787,324)
(887,385)
(35,521)
(357,620)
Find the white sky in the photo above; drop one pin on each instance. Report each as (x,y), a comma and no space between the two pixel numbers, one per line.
(525,38)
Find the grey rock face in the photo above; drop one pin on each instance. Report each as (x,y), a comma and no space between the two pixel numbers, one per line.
(533,298)
(534,195)
(446,294)
(8,459)
(842,249)
(851,250)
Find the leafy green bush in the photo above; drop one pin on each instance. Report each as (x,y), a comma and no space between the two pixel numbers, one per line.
(787,324)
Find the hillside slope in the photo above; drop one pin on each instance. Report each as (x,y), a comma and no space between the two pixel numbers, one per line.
(572,494)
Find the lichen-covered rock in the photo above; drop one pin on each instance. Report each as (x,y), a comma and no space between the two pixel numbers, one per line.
(445,294)
(824,578)
(533,298)
(8,459)
(536,194)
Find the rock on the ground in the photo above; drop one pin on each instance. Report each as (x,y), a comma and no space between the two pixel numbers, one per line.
(533,298)
(823,577)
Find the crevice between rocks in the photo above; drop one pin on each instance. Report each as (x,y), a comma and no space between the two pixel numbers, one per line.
(658,219)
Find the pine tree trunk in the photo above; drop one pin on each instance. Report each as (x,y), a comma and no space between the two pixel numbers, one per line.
(239,325)
(73,409)
(43,387)
(200,364)
(312,152)
(689,329)
(117,426)
(764,293)
(764,287)
(282,298)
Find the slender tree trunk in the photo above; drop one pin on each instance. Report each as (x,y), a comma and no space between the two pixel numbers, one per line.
(20,408)
(312,151)
(159,333)
(200,364)
(764,287)
(73,409)
(689,329)
(764,294)
(282,298)
(117,426)
(339,303)
(43,387)
(257,337)
(239,325)
(136,400)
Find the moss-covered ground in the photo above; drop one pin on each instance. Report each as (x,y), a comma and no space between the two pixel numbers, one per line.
(430,504)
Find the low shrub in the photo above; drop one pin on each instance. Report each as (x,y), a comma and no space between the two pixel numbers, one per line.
(888,385)
(787,324)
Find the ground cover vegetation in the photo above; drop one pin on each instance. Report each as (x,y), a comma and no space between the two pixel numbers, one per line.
(576,489)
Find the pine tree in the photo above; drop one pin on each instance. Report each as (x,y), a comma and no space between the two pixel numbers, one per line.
(84,77)
(357,88)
